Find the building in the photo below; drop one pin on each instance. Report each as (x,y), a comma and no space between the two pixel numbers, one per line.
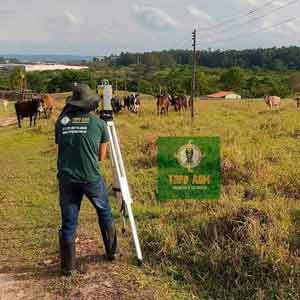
(228,95)
(41,67)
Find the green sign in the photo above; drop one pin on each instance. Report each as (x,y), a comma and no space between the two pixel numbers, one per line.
(188,168)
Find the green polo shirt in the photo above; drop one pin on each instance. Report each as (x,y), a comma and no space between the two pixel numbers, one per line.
(79,136)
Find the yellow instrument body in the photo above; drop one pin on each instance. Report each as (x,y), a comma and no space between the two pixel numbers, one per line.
(106,93)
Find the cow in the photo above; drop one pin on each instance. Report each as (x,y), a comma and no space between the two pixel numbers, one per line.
(172,100)
(162,104)
(48,103)
(184,102)
(135,104)
(272,101)
(27,109)
(190,101)
(127,102)
(180,103)
(297,99)
(116,104)
(4,104)
(40,110)
(131,102)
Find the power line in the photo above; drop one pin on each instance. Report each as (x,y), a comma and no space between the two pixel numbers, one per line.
(262,16)
(232,19)
(257,31)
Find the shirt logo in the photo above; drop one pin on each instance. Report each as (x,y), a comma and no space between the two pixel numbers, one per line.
(65,120)
(189,156)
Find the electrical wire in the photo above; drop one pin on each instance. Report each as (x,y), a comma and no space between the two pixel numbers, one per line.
(232,19)
(241,36)
(262,16)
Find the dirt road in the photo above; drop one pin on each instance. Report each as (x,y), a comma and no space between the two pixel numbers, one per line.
(7,121)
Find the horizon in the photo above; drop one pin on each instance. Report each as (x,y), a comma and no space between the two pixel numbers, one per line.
(11,55)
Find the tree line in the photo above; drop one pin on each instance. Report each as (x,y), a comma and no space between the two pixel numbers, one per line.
(284,58)
(249,83)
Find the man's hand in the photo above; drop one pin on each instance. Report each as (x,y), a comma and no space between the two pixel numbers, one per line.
(102,151)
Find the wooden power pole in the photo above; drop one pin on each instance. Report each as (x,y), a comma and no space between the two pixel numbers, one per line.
(194,74)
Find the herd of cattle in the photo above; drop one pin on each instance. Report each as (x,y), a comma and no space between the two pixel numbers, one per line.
(180,103)
(43,105)
(131,103)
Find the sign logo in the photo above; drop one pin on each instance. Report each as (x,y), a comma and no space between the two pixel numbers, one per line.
(65,120)
(189,156)
(189,168)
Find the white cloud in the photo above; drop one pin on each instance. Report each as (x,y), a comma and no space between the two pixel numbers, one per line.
(154,17)
(278,3)
(257,3)
(196,12)
(293,26)
(71,19)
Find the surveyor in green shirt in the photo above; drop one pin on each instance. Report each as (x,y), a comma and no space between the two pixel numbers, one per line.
(82,142)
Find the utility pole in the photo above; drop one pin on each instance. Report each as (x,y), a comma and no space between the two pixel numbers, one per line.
(126,85)
(194,73)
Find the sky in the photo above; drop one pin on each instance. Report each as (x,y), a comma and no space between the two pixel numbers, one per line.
(97,27)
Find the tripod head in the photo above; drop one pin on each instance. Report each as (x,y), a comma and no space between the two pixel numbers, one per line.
(105,92)
(106,115)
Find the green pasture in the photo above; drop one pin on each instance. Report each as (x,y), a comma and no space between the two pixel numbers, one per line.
(244,246)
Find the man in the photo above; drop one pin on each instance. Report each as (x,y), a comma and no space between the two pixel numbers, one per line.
(82,141)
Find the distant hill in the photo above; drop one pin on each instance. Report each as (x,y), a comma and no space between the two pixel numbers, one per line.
(47,58)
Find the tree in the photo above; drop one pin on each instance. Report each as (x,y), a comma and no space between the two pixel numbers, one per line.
(17,78)
(38,81)
(232,79)
(294,82)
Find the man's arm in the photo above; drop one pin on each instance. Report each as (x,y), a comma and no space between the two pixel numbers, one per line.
(102,151)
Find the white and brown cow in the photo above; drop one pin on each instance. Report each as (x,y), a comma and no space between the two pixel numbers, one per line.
(4,104)
(272,101)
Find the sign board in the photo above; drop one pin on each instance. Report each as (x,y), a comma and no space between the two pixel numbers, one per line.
(189,168)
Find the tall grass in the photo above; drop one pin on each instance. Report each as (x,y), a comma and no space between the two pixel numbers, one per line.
(245,246)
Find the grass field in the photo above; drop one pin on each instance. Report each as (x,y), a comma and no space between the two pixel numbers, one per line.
(245,246)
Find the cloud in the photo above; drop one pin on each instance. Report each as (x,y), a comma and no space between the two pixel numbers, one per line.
(293,26)
(200,14)
(258,3)
(154,17)
(7,12)
(71,19)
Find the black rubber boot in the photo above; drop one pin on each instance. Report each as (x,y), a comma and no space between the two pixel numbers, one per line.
(109,235)
(67,256)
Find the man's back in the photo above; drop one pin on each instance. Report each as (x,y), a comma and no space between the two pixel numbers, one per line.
(78,136)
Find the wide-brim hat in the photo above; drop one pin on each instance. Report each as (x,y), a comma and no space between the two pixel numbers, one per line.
(83,97)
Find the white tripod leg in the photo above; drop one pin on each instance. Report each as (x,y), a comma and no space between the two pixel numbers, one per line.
(116,188)
(119,168)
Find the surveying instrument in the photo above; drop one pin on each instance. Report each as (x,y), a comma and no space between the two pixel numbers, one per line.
(120,183)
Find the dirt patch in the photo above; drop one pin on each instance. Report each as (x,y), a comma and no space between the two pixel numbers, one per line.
(7,121)
(95,278)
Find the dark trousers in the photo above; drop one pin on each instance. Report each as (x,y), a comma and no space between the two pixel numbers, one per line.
(70,197)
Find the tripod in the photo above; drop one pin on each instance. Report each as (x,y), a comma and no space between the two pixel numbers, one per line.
(120,183)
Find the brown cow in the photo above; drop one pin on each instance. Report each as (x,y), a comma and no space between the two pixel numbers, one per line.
(48,103)
(272,101)
(162,104)
(180,103)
